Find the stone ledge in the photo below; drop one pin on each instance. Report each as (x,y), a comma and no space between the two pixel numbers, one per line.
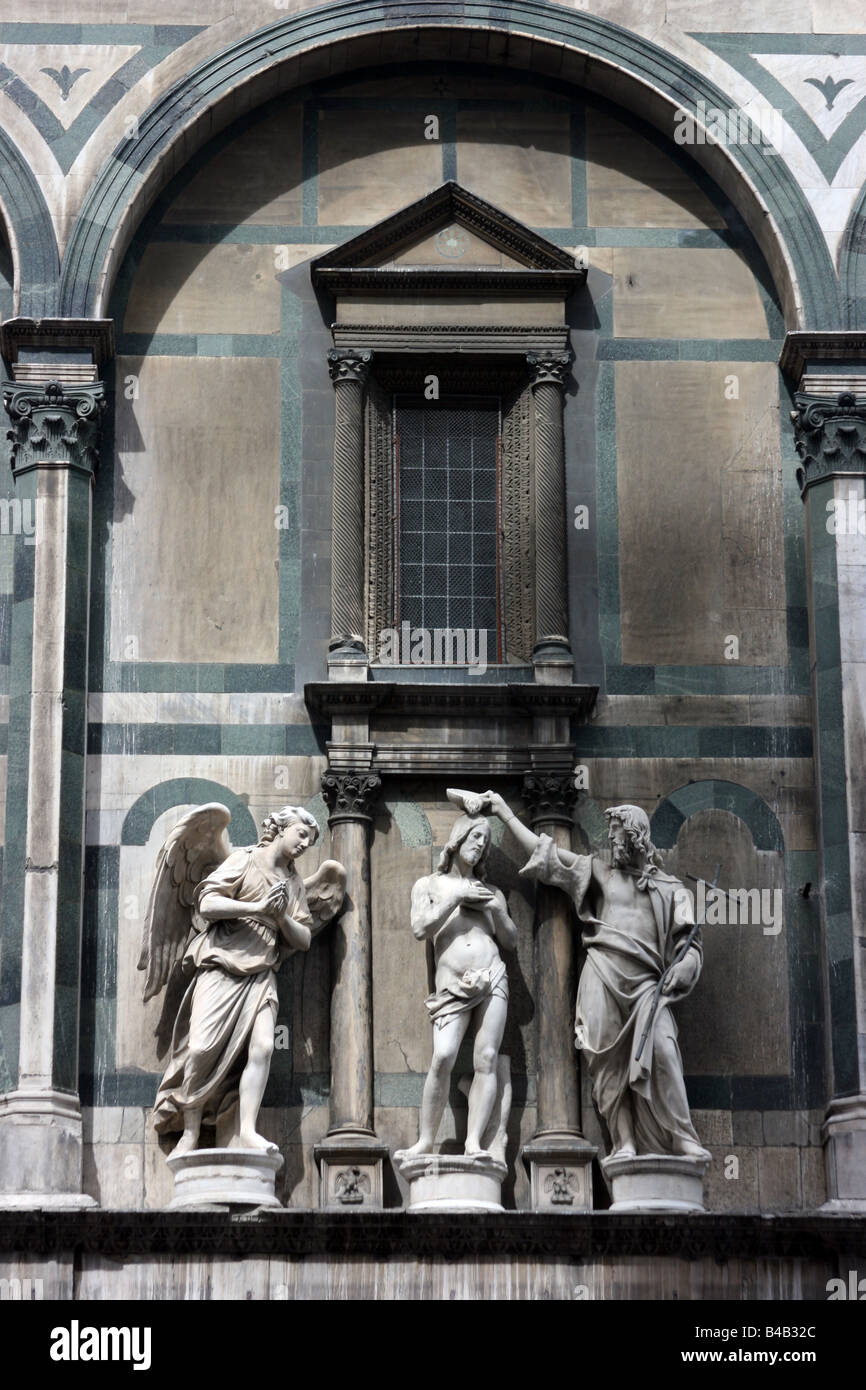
(121,1234)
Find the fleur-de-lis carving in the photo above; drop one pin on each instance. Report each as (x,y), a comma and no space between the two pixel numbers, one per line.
(65,78)
(829,88)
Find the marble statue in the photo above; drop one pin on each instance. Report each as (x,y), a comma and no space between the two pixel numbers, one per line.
(221,922)
(635,919)
(467,920)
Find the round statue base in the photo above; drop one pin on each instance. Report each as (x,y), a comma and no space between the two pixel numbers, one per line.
(453,1182)
(224,1178)
(656,1182)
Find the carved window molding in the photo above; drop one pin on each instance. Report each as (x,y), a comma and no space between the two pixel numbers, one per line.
(508,338)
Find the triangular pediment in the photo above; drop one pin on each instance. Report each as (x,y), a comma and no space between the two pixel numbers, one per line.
(451,233)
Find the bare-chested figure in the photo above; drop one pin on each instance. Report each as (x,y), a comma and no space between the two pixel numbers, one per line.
(467,921)
(635,917)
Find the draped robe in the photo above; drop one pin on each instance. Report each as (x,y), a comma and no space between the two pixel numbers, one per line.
(614,999)
(232,964)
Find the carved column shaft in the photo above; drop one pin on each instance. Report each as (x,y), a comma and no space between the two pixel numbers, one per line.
(550,800)
(349,372)
(558,1156)
(350,796)
(551,603)
(830,435)
(54,438)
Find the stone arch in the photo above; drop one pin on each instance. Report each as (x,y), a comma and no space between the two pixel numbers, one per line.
(32,242)
(185,791)
(526,33)
(852,266)
(678,806)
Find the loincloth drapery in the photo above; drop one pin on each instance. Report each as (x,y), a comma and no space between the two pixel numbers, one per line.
(471,989)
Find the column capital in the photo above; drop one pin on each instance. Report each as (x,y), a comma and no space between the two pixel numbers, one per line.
(350,364)
(54,424)
(550,797)
(549,368)
(350,796)
(830,436)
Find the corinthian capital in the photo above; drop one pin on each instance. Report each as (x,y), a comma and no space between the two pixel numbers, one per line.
(830,435)
(54,423)
(350,365)
(350,795)
(549,369)
(550,796)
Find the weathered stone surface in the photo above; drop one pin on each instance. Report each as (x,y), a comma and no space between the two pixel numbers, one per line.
(160,546)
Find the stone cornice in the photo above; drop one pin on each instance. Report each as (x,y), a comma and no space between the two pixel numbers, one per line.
(95,336)
(120,1235)
(435,698)
(802,348)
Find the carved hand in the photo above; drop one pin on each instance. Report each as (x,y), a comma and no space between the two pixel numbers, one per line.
(683,975)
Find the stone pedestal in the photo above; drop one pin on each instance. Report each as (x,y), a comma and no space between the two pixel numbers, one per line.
(350,1172)
(453,1182)
(224,1178)
(560,1172)
(656,1182)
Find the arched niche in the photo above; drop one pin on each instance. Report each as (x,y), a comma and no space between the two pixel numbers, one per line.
(550,41)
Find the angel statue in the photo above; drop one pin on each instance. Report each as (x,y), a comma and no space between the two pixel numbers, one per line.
(221,922)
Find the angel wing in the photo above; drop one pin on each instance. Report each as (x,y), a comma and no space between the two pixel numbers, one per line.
(196,846)
(325,890)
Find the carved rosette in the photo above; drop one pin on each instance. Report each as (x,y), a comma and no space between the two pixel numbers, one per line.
(550,797)
(54,423)
(349,372)
(350,796)
(830,436)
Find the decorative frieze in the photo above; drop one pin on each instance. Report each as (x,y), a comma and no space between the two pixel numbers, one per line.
(830,436)
(54,424)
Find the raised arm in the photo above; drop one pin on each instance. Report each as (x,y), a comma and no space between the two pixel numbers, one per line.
(525,837)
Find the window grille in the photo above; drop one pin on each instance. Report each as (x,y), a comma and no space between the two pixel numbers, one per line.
(447,481)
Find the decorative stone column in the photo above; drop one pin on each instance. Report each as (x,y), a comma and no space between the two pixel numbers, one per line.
(349,371)
(351,1157)
(54,404)
(552,648)
(558,1156)
(830,435)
